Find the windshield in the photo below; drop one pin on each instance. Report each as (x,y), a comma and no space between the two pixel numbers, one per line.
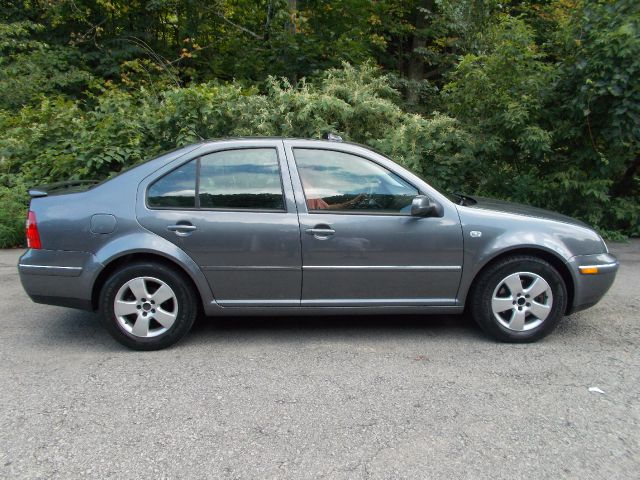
(457,198)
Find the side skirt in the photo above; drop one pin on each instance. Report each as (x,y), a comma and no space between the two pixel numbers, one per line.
(216,310)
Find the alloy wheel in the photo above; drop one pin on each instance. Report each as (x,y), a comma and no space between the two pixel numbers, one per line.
(522,301)
(145,307)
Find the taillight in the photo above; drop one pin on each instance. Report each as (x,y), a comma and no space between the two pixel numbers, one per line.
(33,236)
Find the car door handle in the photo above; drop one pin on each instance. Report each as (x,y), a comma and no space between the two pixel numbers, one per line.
(320,232)
(182,229)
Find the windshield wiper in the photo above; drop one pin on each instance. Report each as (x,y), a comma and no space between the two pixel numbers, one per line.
(465,200)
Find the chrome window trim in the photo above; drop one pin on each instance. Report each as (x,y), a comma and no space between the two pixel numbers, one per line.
(331,148)
(197,206)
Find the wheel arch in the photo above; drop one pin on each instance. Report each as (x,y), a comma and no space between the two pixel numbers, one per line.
(148,246)
(550,257)
(129,257)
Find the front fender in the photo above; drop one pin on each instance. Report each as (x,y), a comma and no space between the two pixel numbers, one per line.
(488,235)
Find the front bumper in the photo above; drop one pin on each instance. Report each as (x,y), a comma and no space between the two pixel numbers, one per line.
(593,276)
(59,277)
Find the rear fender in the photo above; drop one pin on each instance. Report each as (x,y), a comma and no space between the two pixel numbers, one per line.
(142,242)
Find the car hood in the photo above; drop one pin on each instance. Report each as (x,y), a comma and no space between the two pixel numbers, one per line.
(520,209)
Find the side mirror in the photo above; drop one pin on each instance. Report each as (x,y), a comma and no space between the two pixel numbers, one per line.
(423,206)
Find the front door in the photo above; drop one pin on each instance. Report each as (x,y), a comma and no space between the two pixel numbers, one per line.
(234,214)
(360,245)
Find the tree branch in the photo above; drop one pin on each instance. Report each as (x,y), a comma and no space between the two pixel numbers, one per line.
(240,27)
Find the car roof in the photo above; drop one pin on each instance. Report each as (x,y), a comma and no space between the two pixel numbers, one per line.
(265,137)
(210,141)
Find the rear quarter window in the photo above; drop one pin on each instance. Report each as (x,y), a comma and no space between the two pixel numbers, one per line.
(176,189)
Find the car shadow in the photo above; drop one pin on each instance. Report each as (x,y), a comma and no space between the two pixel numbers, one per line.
(83,330)
(295,328)
(71,329)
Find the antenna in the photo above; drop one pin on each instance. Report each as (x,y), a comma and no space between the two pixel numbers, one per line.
(332,137)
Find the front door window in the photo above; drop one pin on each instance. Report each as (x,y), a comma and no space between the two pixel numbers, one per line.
(342,182)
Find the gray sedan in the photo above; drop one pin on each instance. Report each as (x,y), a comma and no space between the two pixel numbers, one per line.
(272,226)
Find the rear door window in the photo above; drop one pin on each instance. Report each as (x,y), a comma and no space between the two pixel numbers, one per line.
(241,179)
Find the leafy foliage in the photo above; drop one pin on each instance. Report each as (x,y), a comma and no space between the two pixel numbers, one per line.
(598,113)
(534,101)
(64,139)
(562,135)
(30,69)
(12,215)
(508,123)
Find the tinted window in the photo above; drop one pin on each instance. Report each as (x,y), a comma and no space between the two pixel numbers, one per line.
(248,179)
(175,189)
(343,182)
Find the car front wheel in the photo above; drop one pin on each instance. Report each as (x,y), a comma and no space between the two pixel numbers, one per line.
(147,306)
(518,299)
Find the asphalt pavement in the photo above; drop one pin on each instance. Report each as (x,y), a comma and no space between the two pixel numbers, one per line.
(336,398)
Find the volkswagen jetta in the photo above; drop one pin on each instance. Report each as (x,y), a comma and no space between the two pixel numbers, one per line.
(272,226)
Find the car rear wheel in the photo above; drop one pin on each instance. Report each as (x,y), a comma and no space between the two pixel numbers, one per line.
(148,306)
(518,299)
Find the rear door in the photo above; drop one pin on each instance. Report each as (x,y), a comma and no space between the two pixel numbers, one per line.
(232,210)
(360,245)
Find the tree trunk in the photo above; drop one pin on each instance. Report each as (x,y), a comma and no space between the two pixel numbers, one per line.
(415,68)
(625,185)
(293,6)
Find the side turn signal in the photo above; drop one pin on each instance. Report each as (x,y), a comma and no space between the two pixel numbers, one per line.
(588,270)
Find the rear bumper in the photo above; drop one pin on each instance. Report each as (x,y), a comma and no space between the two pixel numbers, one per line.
(59,277)
(590,288)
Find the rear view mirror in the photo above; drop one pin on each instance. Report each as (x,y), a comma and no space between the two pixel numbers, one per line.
(423,206)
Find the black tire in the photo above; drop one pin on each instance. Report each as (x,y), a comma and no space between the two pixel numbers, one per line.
(186,306)
(491,280)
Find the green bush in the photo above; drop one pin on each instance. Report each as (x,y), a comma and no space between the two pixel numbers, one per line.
(30,69)
(60,139)
(501,144)
(12,216)
(562,135)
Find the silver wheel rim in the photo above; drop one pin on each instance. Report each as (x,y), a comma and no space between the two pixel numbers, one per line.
(522,301)
(145,307)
